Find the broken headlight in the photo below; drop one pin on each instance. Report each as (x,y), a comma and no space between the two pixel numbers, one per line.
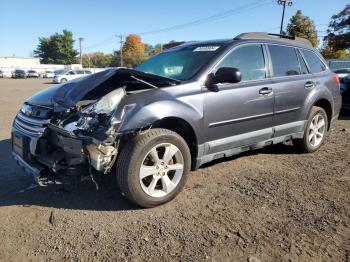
(92,115)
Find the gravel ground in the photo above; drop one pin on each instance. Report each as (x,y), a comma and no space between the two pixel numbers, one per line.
(270,205)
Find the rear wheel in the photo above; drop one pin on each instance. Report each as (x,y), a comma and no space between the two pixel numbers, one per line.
(315,131)
(153,167)
(63,80)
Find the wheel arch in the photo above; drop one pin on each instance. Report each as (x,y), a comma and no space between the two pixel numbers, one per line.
(327,106)
(184,129)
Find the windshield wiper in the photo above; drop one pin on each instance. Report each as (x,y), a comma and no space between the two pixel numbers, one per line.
(143,81)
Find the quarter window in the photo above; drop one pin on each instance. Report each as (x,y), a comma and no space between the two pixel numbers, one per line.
(303,67)
(284,61)
(314,62)
(249,59)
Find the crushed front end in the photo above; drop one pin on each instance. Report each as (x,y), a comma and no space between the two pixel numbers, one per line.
(72,130)
(66,146)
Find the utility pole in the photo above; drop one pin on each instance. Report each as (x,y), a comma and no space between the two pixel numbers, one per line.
(81,39)
(121,41)
(284,3)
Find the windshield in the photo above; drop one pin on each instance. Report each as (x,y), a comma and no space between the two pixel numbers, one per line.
(181,63)
(59,72)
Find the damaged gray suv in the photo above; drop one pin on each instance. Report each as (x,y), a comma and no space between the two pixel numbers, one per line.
(184,107)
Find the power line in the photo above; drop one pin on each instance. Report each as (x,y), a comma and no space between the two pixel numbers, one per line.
(212,18)
(234,11)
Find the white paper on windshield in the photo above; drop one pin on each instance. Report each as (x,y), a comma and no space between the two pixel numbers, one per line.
(206,48)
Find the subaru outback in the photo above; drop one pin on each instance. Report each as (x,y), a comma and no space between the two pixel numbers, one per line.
(180,109)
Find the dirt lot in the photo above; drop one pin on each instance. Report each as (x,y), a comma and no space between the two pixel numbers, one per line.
(273,205)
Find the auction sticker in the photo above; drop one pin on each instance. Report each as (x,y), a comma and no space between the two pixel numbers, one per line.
(206,48)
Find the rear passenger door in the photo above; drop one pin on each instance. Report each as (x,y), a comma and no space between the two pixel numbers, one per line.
(291,83)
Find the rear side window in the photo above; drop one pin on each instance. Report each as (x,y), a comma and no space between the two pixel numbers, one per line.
(284,61)
(314,62)
(249,59)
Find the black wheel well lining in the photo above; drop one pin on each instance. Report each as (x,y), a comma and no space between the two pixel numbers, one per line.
(326,105)
(181,127)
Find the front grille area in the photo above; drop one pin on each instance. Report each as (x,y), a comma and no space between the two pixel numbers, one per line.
(30,125)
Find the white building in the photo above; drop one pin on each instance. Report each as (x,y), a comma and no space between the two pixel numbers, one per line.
(11,63)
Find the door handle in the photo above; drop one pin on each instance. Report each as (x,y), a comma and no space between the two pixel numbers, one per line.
(309,84)
(265,91)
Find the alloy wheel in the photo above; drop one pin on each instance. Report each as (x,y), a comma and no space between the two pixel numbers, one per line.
(161,170)
(317,130)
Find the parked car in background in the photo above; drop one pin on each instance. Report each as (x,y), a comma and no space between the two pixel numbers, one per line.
(48,74)
(342,72)
(345,91)
(69,75)
(180,109)
(19,73)
(5,74)
(32,74)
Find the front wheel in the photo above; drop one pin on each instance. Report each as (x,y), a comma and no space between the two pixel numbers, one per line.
(152,167)
(315,131)
(63,80)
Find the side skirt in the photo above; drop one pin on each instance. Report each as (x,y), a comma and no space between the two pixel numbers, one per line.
(234,145)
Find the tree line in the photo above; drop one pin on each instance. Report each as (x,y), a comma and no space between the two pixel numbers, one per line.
(59,48)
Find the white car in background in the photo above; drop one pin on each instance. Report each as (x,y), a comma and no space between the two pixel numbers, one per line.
(32,73)
(69,75)
(5,74)
(342,72)
(48,74)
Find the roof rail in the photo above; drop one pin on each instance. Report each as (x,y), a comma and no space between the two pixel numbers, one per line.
(263,35)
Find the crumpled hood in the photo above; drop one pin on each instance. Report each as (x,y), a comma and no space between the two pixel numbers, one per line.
(70,93)
(65,96)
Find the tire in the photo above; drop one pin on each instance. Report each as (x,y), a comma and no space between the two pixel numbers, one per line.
(63,80)
(312,139)
(137,160)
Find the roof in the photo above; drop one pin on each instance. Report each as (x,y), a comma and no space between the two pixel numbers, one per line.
(258,36)
(292,40)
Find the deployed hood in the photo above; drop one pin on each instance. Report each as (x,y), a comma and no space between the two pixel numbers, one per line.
(65,96)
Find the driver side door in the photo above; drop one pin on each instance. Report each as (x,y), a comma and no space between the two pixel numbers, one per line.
(240,114)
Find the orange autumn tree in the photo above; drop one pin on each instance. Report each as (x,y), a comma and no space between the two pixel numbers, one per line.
(133,51)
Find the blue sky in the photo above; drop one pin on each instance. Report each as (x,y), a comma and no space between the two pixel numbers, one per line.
(23,22)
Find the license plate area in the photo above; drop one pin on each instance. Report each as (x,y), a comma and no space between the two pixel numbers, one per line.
(19,144)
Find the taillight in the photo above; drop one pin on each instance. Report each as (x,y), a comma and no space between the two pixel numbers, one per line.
(336,79)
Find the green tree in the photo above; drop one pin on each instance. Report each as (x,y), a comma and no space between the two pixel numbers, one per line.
(57,49)
(133,51)
(338,36)
(155,50)
(97,59)
(329,53)
(302,26)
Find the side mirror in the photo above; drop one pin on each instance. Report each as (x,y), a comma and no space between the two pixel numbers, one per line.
(223,75)
(228,75)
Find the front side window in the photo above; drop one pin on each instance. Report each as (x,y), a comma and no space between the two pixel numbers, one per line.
(284,61)
(249,59)
(314,62)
